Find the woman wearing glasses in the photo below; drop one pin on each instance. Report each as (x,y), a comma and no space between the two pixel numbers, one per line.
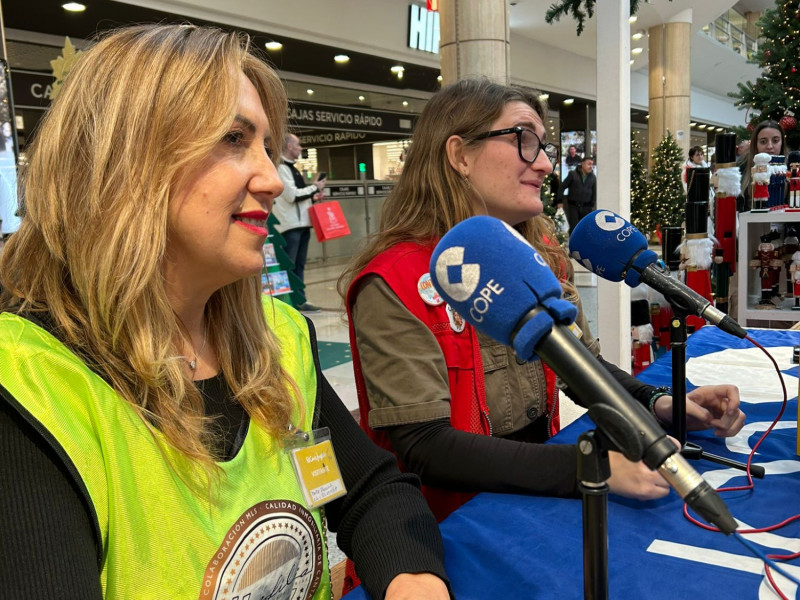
(456,407)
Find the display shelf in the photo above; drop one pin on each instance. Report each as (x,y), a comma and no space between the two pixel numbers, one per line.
(751,227)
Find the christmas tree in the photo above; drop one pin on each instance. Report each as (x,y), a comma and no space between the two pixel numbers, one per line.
(641,213)
(550,210)
(580,10)
(664,195)
(776,93)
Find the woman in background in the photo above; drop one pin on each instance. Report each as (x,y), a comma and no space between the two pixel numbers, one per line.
(767,137)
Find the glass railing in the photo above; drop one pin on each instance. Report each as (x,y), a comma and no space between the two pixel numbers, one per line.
(727,29)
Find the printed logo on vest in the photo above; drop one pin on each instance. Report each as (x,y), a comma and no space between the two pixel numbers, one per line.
(427,292)
(274,550)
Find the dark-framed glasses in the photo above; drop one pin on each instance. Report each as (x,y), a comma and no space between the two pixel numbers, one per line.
(528,144)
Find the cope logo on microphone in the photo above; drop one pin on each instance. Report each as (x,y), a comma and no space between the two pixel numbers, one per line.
(458,280)
(608,221)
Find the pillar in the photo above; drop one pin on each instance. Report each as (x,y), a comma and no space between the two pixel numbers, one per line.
(670,81)
(474,40)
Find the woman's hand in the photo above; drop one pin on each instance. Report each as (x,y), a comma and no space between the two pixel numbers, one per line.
(422,586)
(635,479)
(709,406)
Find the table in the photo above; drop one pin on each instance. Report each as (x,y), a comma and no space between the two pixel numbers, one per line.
(515,546)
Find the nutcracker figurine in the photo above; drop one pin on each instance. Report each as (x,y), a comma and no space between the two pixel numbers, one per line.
(777,183)
(729,185)
(763,263)
(791,244)
(793,174)
(760,177)
(697,246)
(795,270)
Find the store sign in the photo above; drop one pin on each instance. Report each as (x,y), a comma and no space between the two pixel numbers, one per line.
(423,29)
(339,191)
(345,119)
(380,189)
(31,89)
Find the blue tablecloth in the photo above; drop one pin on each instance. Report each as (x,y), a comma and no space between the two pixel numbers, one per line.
(513,546)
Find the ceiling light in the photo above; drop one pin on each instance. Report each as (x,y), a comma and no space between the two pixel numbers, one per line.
(638,35)
(719,128)
(637,50)
(273,45)
(632,19)
(74,7)
(361,98)
(310,92)
(341,58)
(439,79)
(543,97)
(405,102)
(701,126)
(692,124)
(632,61)
(569,101)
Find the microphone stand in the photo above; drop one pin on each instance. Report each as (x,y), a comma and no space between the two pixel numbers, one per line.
(593,471)
(689,450)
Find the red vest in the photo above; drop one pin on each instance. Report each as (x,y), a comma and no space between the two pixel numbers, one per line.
(401,267)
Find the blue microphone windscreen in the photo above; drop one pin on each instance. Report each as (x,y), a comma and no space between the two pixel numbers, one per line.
(493,277)
(609,246)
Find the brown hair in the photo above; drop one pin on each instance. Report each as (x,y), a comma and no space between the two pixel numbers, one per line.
(431,196)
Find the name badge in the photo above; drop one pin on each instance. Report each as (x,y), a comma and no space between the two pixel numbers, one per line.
(316,467)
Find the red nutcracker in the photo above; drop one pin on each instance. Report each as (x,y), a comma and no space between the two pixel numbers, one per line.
(794,182)
(763,262)
(795,270)
(761,176)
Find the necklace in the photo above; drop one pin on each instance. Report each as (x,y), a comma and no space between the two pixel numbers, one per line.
(193,363)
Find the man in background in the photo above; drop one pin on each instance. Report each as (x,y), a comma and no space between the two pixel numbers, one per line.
(291,209)
(742,150)
(580,186)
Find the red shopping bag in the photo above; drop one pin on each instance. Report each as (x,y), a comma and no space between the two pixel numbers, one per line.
(328,220)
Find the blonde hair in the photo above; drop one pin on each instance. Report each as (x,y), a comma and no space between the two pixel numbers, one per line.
(431,196)
(141,107)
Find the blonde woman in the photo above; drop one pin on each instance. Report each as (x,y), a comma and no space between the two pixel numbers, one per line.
(153,410)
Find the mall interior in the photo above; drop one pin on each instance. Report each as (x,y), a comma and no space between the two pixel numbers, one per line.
(359,72)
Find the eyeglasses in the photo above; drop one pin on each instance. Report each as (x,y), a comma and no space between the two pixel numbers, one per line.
(528,144)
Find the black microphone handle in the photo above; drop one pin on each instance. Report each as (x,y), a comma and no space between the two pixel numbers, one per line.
(682,297)
(626,423)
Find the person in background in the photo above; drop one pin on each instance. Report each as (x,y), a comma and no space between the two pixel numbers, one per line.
(153,403)
(742,151)
(580,187)
(457,407)
(573,159)
(291,209)
(767,137)
(696,159)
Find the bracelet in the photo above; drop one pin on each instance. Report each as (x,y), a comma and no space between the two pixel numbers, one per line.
(663,390)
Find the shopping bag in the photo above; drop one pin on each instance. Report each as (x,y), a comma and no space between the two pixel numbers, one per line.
(328,220)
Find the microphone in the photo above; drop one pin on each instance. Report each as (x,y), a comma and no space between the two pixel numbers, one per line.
(614,249)
(502,286)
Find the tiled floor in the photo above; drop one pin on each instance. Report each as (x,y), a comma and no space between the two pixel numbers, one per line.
(333,337)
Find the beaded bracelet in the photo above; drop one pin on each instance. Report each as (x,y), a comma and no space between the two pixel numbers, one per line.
(663,390)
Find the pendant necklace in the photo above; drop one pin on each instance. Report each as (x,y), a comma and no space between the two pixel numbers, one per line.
(193,363)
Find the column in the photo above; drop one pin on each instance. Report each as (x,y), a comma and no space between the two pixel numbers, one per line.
(474,40)
(614,164)
(670,80)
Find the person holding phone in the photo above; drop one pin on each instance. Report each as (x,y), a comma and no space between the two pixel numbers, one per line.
(291,208)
